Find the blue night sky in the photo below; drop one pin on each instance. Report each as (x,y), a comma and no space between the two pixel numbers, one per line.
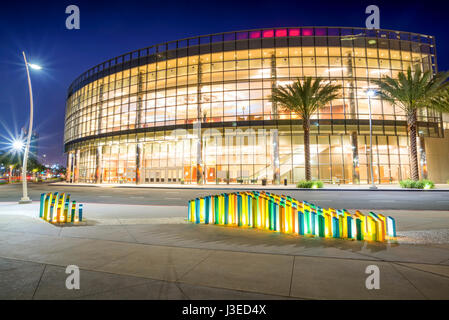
(111,28)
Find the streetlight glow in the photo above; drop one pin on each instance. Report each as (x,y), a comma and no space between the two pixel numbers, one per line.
(371,93)
(17,145)
(34,66)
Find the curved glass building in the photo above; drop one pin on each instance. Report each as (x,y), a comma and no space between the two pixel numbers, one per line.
(197,110)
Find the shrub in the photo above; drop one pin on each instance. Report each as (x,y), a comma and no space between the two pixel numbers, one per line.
(306,184)
(407,184)
(428,184)
(420,184)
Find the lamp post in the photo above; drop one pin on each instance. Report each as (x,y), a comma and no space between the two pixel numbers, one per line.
(25,198)
(371,93)
(10,173)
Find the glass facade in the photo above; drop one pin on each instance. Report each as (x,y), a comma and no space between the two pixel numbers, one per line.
(198,109)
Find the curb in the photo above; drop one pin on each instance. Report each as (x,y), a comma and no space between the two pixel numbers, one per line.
(248,188)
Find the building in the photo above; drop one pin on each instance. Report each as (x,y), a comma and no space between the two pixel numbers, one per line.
(197,110)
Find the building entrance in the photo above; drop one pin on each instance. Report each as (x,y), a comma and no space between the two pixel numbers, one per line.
(163,175)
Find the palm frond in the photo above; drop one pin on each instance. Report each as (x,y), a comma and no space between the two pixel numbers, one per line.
(305,97)
(441,101)
(412,89)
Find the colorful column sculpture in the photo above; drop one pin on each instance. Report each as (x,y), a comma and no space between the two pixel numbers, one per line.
(56,208)
(42,203)
(286,215)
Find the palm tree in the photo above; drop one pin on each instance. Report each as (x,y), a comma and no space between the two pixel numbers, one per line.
(305,99)
(412,91)
(441,102)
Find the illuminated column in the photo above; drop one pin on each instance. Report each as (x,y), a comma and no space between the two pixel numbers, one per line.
(423,157)
(199,152)
(68,177)
(140,83)
(100,108)
(98,161)
(355,158)
(139,152)
(201,115)
(353,116)
(276,169)
(274,108)
(76,166)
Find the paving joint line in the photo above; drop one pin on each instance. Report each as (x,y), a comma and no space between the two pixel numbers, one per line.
(144,282)
(196,265)
(39,282)
(127,231)
(425,271)
(291,278)
(178,285)
(394,265)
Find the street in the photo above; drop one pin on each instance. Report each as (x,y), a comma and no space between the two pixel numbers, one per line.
(348,199)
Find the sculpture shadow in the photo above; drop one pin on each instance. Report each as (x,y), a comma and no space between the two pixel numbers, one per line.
(246,239)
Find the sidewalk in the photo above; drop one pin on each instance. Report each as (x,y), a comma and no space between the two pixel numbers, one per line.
(151,252)
(327,187)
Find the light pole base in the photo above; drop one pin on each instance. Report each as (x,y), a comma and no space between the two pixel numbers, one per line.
(25,200)
(373,188)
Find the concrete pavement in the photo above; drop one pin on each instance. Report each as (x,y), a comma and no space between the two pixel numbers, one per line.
(152,253)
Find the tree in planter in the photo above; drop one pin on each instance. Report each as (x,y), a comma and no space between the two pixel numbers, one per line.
(413,91)
(305,98)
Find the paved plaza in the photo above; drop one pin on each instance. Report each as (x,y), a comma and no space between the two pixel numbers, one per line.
(151,252)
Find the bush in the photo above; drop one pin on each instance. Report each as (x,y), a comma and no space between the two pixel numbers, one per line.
(428,184)
(309,184)
(407,184)
(420,184)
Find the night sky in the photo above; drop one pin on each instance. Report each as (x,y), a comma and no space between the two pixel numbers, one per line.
(111,28)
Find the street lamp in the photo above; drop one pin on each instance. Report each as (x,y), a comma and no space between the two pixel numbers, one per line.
(25,198)
(371,93)
(10,173)
(17,145)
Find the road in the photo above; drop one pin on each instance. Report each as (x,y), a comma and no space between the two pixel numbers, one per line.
(376,200)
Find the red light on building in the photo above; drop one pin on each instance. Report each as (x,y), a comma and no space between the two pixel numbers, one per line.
(281,33)
(294,32)
(307,32)
(320,32)
(254,34)
(268,33)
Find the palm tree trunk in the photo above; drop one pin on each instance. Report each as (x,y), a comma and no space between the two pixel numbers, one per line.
(411,122)
(306,127)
